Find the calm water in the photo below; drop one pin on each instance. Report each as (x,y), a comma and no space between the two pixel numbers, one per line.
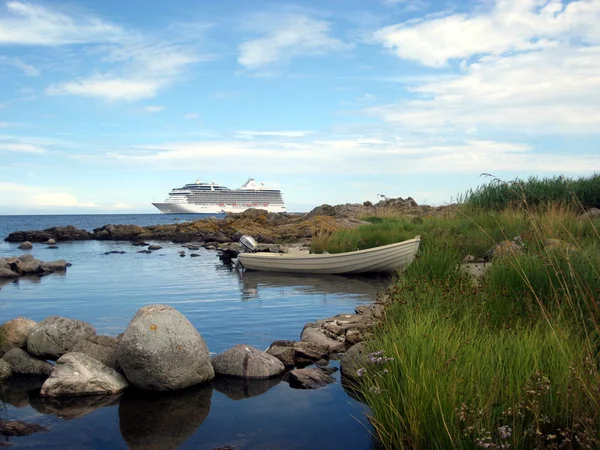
(226,307)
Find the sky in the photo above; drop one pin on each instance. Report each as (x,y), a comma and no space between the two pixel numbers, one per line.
(105,106)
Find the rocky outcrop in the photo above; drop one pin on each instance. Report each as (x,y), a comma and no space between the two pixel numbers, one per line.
(118,232)
(77,374)
(68,233)
(16,266)
(312,378)
(293,353)
(244,361)
(23,363)
(161,350)
(54,336)
(101,348)
(13,334)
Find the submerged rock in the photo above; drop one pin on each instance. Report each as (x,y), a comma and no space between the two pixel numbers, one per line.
(54,336)
(244,361)
(17,428)
(161,350)
(79,374)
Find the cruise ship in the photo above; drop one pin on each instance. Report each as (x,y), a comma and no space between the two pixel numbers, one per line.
(213,198)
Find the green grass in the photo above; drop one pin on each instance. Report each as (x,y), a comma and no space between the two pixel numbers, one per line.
(516,353)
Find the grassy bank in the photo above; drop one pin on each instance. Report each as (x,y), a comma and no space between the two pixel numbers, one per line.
(511,361)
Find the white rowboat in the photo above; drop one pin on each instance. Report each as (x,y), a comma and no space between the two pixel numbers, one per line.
(387,258)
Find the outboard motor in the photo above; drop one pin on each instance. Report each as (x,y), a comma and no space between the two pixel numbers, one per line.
(248,244)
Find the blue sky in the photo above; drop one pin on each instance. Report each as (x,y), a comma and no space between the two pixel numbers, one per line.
(107,105)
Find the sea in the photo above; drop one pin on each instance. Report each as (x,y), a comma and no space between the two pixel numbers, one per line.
(226,306)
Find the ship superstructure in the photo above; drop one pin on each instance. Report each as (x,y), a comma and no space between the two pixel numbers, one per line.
(213,198)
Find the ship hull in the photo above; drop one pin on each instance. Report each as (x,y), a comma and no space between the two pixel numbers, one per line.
(191,208)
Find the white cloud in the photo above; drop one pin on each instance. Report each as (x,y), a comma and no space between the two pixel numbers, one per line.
(286,38)
(358,156)
(110,89)
(4,124)
(28,69)
(28,24)
(21,148)
(252,134)
(527,69)
(26,195)
(153,108)
(511,25)
(191,116)
(120,205)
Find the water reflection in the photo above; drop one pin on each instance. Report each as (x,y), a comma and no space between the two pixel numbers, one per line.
(239,389)
(251,283)
(71,407)
(150,420)
(15,391)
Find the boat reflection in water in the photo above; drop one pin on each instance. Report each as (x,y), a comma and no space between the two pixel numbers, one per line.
(252,282)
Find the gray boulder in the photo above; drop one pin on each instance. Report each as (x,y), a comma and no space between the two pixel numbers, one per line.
(5,369)
(244,361)
(14,333)
(357,357)
(28,267)
(293,353)
(51,241)
(312,378)
(54,266)
(54,336)
(101,348)
(78,374)
(154,247)
(315,336)
(26,245)
(161,350)
(23,363)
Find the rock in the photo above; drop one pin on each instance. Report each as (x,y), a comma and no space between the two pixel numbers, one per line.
(52,247)
(504,248)
(244,361)
(17,428)
(161,350)
(557,244)
(78,374)
(14,333)
(592,213)
(23,363)
(145,251)
(356,335)
(293,353)
(158,421)
(54,266)
(318,337)
(194,255)
(5,369)
(54,336)
(101,348)
(70,407)
(154,247)
(7,273)
(312,378)
(355,358)
(50,241)
(26,245)
(28,267)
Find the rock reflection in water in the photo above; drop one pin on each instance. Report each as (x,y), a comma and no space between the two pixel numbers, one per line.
(16,391)
(151,420)
(252,281)
(72,407)
(239,389)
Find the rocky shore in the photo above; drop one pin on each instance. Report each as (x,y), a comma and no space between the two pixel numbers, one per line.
(265,227)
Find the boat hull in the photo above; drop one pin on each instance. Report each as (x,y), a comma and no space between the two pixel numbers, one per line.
(191,208)
(387,258)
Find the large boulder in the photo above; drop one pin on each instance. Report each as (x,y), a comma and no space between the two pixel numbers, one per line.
(244,361)
(14,333)
(293,353)
(27,267)
(54,266)
(26,245)
(101,348)
(6,272)
(161,350)
(54,336)
(78,374)
(23,363)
